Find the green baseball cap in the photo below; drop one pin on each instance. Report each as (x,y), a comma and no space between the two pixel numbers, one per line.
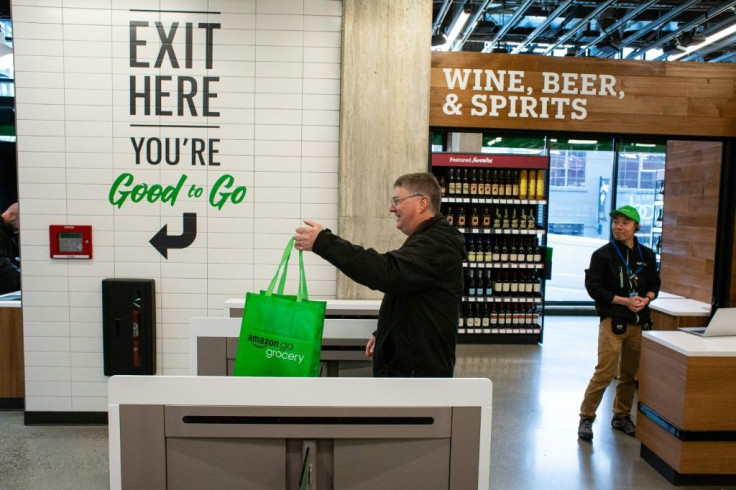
(628,211)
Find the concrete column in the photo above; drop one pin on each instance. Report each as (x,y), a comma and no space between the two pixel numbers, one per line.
(384,118)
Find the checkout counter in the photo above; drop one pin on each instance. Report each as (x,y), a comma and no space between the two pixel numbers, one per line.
(12,384)
(344,429)
(686,420)
(313,433)
(670,312)
(213,341)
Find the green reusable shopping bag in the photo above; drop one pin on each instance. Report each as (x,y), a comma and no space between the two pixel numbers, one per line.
(281,335)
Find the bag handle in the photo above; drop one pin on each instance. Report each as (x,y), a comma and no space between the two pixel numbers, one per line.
(281,276)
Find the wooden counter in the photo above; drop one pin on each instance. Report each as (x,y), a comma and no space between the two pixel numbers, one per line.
(12,388)
(687,407)
(672,313)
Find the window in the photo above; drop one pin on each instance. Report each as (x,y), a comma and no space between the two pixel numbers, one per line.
(567,168)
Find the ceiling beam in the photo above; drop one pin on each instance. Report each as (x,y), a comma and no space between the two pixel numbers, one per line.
(511,23)
(593,14)
(541,27)
(641,8)
(690,25)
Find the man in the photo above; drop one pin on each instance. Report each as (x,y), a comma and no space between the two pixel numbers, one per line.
(9,260)
(422,281)
(623,280)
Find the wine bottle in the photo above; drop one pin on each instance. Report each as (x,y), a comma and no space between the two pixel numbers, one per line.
(494,184)
(537,283)
(443,186)
(486,221)
(515,184)
(504,252)
(506,284)
(452,183)
(514,285)
(475,308)
(488,284)
(658,247)
(523,183)
(506,222)
(514,219)
(473,183)
(501,184)
(474,217)
(470,248)
(494,317)
(497,219)
(487,183)
(512,252)
(466,184)
(531,222)
(496,251)
(487,250)
(461,217)
(450,215)
(509,184)
(532,191)
(497,284)
(540,184)
(537,253)
(485,321)
(658,221)
(523,219)
(502,316)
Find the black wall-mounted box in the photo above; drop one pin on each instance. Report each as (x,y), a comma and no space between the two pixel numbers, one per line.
(129,326)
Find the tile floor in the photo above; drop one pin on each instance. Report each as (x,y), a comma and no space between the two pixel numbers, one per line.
(537,394)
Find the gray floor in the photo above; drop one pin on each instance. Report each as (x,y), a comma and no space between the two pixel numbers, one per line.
(537,393)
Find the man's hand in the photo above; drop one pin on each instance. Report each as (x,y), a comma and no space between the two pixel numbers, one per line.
(635,303)
(369,347)
(305,235)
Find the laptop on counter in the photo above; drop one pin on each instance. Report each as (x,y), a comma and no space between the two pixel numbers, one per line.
(722,324)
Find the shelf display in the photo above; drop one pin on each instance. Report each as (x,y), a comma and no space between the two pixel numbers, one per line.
(499,203)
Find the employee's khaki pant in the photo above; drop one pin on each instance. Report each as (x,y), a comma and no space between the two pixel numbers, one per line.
(617,354)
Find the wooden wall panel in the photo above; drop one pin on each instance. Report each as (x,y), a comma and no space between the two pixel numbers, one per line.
(692,181)
(384,114)
(666,98)
(12,383)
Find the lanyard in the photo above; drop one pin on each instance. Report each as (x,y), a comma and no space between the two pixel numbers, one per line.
(626,264)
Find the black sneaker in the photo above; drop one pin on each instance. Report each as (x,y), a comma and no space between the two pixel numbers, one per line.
(585,429)
(625,425)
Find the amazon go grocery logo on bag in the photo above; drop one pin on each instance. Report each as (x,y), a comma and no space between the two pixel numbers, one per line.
(276,349)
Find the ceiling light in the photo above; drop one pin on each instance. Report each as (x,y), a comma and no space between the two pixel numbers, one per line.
(438,40)
(457,26)
(582,142)
(708,40)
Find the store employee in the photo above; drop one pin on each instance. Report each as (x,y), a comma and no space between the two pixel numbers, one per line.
(422,281)
(623,280)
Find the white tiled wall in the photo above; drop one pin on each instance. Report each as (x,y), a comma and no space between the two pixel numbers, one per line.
(278,63)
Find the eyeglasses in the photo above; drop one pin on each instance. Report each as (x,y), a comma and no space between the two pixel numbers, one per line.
(395,201)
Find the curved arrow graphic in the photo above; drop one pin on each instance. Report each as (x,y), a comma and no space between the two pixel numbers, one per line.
(163,241)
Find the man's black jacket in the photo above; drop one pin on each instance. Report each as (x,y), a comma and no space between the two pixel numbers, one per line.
(607,276)
(423,284)
(9,264)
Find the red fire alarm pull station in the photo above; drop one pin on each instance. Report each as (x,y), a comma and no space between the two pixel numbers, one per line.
(70,241)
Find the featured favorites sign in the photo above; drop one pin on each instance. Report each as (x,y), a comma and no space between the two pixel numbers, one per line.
(476,90)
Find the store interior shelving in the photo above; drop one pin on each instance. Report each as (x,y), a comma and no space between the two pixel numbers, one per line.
(499,202)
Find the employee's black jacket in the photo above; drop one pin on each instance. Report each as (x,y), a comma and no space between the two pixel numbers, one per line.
(9,263)
(607,277)
(423,284)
